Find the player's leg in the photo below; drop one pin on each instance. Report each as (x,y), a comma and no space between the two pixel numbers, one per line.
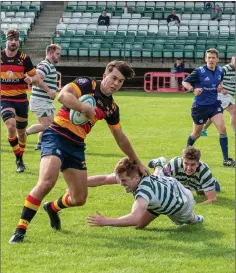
(75,174)
(196,133)
(48,175)
(232,111)
(218,121)
(200,116)
(205,127)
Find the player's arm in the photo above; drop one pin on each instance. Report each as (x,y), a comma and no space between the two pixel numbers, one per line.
(126,147)
(51,93)
(211,197)
(190,81)
(69,95)
(100,180)
(133,219)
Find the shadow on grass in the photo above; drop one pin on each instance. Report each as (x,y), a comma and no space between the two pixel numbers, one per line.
(152,94)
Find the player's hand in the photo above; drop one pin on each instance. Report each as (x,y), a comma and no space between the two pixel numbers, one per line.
(143,169)
(224,92)
(89,111)
(28,79)
(98,220)
(197,91)
(51,94)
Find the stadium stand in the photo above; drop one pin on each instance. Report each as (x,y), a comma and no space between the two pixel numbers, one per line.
(140,33)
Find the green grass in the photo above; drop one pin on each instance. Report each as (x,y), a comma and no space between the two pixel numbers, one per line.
(157,125)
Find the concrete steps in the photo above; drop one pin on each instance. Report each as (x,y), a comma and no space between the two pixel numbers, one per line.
(40,36)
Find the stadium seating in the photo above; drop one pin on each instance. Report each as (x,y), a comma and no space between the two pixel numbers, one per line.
(142,32)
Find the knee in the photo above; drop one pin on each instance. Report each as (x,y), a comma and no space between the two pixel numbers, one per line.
(46,185)
(79,200)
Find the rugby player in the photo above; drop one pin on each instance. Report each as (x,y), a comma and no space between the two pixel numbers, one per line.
(41,102)
(154,195)
(205,82)
(63,146)
(194,174)
(228,102)
(14,103)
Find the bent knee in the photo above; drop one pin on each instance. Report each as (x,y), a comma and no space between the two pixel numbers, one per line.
(78,200)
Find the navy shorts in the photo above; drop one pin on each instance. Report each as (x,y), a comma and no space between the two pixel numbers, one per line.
(21,108)
(70,153)
(201,113)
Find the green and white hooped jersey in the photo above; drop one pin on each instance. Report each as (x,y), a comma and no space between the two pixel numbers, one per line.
(229,79)
(163,194)
(202,179)
(48,70)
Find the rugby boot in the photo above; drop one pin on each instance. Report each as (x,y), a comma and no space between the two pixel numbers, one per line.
(20,166)
(229,162)
(158,162)
(17,237)
(55,221)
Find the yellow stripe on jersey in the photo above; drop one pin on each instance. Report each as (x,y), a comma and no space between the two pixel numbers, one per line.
(77,89)
(79,131)
(114,127)
(31,72)
(31,206)
(16,75)
(13,92)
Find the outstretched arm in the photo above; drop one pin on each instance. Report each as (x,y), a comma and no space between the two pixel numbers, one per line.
(126,147)
(100,180)
(135,218)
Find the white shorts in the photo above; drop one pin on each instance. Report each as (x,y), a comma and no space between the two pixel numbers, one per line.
(41,108)
(181,217)
(226,100)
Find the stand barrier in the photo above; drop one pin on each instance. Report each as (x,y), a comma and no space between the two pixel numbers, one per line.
(163,81)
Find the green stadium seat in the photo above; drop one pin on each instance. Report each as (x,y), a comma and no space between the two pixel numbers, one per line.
(147,50)
(199,52)
(105,50)
(115,49)
(168,51)
(83,50)
(189,51)
(157,51)
(94,50)
(136,50)
(178,51)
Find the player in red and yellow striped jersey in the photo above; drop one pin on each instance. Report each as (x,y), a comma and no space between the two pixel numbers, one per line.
(63,144)
(14,103)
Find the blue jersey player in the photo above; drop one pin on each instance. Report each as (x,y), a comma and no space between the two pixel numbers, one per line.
(205,82)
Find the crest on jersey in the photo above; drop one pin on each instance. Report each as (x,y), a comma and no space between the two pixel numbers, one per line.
(10,74)
(219,77)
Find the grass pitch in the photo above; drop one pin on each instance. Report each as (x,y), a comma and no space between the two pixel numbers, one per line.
(157,125)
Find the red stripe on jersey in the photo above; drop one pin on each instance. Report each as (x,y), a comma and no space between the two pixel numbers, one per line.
(21,86)
(12,67)
(64,114)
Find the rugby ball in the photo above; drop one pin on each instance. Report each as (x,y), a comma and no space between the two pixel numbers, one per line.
(79,118)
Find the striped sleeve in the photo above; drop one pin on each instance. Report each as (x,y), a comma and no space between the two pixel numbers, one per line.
(207,180)
(144,191)
(44,68)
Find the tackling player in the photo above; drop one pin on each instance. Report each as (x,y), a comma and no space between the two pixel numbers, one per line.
(154,195)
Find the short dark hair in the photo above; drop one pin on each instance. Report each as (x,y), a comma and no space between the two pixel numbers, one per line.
(121,66)
(191,153)
(212,51)
(52,48)
(128,166)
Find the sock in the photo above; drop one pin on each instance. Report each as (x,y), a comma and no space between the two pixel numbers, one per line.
(30,208)
(191,141)
(15,145)
(22,147)
(61,203)
(224,145)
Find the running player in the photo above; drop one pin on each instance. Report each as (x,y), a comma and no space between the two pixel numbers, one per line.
(14,103)
(228,102)
(205,82)
(63,145)
(41,102)
(154,195)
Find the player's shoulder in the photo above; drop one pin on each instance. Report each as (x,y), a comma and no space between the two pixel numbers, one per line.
(201,69)
(23,56)
(227,67)
(84,81)
(219,68)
